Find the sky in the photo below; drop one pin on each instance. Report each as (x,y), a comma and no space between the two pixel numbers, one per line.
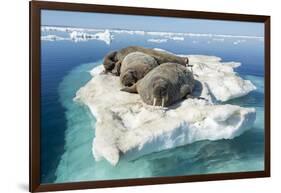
(149,23)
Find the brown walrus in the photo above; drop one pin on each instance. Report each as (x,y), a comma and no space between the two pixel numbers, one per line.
(164,85)
(135,66)
(113,61)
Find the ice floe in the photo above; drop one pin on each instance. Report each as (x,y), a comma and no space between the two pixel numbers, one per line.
(177,38)
(130,32)
(82,36)
(53,38)
(238,42)
(127,128)
(68,29)
(77,34)
(157,40)
(218,39)
(221,79)
(106,35)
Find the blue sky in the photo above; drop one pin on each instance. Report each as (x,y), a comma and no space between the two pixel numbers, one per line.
(149,23)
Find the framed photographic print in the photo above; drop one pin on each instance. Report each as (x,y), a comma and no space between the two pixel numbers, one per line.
(123,96)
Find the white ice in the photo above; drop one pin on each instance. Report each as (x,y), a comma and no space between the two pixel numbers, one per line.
(52,38)
(220,78)
(157,40)
(68,29)
(106,35)
(78,36)
(128,128)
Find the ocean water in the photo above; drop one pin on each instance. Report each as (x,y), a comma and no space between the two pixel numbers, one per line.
(68,127)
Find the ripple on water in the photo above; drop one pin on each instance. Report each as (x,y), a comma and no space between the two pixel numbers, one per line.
(244,153)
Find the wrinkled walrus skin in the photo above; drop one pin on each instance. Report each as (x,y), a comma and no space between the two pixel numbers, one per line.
(165,85)
(135,66)
(113,61)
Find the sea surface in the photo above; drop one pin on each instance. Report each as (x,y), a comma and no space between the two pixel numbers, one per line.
(67,128)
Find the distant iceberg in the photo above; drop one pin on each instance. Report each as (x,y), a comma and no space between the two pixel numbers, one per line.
(68,29)
(168,35)
(77,34)
(129,128)
(238,42)
(157,40)
(209,35)
(177,38)
(53,38)
(165,39)
(82,36)
(218,39)
(130,32)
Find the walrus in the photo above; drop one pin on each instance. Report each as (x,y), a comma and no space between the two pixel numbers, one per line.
(135,66)
(164,85)
(113,61)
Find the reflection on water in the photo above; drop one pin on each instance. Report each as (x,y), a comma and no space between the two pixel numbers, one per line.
(67,127)
(211,157)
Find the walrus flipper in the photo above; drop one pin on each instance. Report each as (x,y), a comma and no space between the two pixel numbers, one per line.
(188,96)
(131,89)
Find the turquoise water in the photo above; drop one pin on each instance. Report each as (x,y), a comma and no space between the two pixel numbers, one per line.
(68,127)
(77,163)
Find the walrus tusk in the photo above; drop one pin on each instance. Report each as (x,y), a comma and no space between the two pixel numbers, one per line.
(163,101)
(154,101)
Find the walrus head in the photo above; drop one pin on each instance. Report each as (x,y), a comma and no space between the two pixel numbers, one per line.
(109,61)
(129,78)
(160,92)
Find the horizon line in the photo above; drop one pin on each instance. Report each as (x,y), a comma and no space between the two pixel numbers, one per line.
(186,33)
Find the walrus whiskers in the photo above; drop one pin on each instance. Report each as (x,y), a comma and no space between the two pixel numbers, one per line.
(154,101)
(166,83)
(163,101)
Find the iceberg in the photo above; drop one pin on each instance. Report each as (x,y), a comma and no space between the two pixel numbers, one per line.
(238,42)
(168,35)
(177,38)
(78,36)
(127,128)
(165,39)
(130,32)
(67,29)
(218,39)
(157,40)
(52,38)
(106,35)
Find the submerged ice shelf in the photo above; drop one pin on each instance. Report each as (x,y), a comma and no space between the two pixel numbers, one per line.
(128,128)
